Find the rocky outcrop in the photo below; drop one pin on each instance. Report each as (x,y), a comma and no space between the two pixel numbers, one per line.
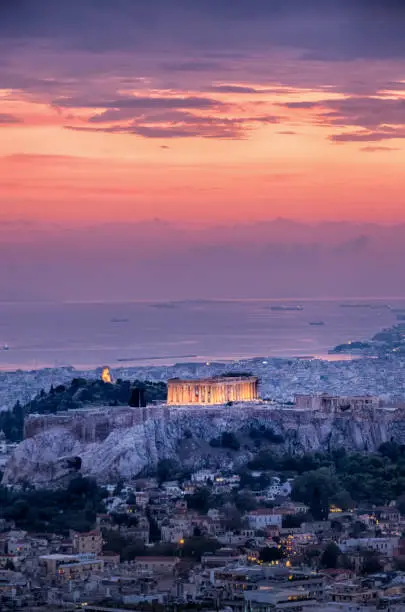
(121,442)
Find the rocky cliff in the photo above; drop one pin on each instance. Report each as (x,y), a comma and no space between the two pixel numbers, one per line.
(121,442)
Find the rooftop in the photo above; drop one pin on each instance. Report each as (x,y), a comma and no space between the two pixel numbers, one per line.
(213,379)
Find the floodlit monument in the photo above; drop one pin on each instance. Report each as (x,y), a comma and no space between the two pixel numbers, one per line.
(209,391)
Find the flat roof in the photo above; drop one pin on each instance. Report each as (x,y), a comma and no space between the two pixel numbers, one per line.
(213,379)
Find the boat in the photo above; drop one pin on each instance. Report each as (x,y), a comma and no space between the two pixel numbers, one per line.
(115,320)
(317,322)
(359,305)
(296,307)
(6,347)
(163,305)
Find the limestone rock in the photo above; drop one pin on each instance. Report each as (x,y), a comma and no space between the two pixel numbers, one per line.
(121,442)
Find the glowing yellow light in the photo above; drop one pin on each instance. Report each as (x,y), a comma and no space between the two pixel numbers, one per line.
(181,541)
(106,376)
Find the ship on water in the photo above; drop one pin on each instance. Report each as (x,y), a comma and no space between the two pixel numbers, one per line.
(295,307)
(362,305)
(317,322)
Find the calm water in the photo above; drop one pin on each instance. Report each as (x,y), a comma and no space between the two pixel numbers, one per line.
(89,335)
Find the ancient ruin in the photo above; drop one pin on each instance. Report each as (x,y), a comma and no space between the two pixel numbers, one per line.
(217,390)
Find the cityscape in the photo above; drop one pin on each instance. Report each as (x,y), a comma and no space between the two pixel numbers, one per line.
(202,306)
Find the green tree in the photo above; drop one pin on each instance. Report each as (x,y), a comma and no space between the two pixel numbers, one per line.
(155,534)
(342,499)
(229,440)
(245,502)
(316,489)
(200,500)
(166,470)
(358,528)
(330,556)
(292,521)
(392,450)
(9,565)
(401,504)
(271,553)
(371,563)
(196,546)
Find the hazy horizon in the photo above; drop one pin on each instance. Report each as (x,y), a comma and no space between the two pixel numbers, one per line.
(158,260)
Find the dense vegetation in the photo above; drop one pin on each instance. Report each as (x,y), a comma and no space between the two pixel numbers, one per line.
(347,478)
(321,479)
(226,440)
(80,393)
(264,434)
(54,511)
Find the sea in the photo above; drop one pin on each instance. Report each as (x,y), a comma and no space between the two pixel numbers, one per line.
(89,335)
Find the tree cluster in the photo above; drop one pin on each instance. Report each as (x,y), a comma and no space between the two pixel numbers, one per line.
(79,393)
(54,511)
(226,440)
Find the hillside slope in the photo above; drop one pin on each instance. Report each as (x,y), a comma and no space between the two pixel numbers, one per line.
(130,441)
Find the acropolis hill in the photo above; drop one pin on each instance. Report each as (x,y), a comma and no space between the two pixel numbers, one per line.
(123,441)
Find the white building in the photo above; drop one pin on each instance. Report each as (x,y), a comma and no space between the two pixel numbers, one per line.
(203,476)
(263,517)
(384,546)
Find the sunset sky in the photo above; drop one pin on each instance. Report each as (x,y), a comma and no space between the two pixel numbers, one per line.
(182,110)
(199,113)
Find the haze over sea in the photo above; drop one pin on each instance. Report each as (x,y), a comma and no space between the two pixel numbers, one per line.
(87,335)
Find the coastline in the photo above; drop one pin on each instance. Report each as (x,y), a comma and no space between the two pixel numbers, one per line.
(85,336)
(173,361)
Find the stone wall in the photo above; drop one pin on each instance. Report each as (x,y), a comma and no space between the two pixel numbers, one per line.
(88,425)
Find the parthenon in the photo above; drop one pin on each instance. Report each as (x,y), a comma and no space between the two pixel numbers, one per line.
(217,390)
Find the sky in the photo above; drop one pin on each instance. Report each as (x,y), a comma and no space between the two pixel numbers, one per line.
(208,138)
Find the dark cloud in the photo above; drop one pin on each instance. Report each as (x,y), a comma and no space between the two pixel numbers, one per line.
(191,66)
(7,119)
(331,30)
(392,86)
(379,118)
(371,149)
(219,131)
(238,89)
(87,54)
(139,102)
(189,131)
(369,136)
(303,104)
(111,115)
(84,52)
(365,112)
(178,124)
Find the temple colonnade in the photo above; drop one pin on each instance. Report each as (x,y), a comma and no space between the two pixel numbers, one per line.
(212,390)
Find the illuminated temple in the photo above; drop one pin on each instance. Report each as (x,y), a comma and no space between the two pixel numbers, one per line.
(217,390)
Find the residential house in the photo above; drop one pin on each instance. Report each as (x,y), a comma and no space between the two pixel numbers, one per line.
(90,542)
(263,517)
